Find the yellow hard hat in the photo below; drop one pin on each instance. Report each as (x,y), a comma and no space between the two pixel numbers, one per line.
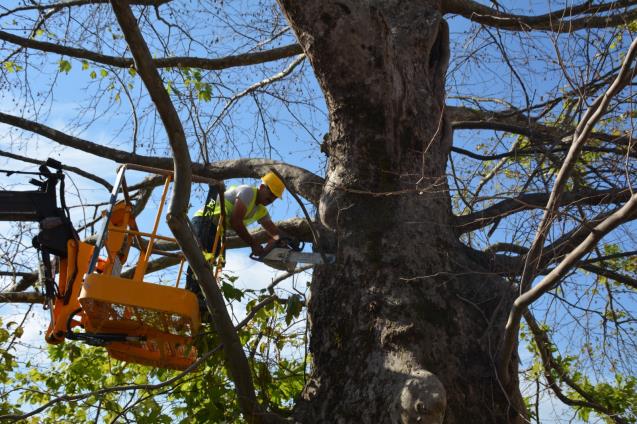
(274,183)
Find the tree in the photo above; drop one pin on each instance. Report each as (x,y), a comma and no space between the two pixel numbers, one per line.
(419,319)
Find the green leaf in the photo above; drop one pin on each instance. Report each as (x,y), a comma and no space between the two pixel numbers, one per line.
(84,65)
(230,292)
(294,307)
(19,332)
(103,73)
(205,95)
(11,67)
(64,66)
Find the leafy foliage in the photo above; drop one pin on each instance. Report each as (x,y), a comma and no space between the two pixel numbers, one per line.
(205,395)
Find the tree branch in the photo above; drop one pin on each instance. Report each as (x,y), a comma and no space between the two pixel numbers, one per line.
(608,273)
(531,264)
(73,3)
(550,281)
(304,182)
(573,18)
(485,217)
(512,265)
(219,63)
(515,122)
(177,217)
(296,227)
(21,297)
(24,283)
(551,367)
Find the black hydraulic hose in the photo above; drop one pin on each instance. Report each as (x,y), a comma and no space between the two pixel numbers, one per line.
(69,283)
(68,322)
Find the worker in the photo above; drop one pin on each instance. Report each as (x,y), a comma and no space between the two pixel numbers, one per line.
(244,205)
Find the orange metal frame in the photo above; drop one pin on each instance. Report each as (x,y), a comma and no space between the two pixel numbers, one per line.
(152,324)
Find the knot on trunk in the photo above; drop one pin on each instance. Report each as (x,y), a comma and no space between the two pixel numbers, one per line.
(422,399)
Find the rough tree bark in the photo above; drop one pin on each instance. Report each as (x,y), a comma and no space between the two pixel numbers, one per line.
(406,326)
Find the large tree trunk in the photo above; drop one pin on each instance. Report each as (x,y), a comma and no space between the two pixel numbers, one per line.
(405,328)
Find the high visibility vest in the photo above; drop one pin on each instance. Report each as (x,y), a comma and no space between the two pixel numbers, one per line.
(213,209)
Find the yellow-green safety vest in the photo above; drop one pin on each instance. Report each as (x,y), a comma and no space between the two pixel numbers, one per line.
(215,211)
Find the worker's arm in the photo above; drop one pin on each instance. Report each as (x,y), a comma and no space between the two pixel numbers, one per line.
(236,221)
(271,228)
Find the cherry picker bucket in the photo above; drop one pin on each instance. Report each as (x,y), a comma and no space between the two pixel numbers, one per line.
(137,321)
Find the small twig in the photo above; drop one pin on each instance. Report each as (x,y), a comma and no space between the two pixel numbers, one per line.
(285,276)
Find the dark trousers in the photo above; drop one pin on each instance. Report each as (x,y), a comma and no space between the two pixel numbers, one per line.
(205,231)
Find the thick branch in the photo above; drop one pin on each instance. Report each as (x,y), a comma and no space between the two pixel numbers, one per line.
(219,63)
(608,273)
(515,122)
(573,18)
(304,182)
(24,283)
(483,218)
(177,217)
(296,227)
(21,297)
(64,139)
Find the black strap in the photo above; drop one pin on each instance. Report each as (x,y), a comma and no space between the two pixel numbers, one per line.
(212,196)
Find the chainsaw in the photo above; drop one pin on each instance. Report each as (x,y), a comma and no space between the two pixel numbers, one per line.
(285,253)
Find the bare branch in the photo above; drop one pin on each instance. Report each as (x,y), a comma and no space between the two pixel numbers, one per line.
(625,213)
(73,3)
(483,218)
(285,276)
(21,297)
(515,122)
(220,63)
(608,273)
(573,18)
(254,87)
(177,217)
(531,264)
(304,182)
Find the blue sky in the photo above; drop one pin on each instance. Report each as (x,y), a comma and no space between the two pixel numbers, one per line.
(292,140)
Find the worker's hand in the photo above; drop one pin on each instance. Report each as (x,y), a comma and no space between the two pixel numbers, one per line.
(257,249)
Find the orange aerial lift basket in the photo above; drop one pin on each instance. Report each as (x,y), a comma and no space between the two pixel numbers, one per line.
(137,321)
(159,322)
